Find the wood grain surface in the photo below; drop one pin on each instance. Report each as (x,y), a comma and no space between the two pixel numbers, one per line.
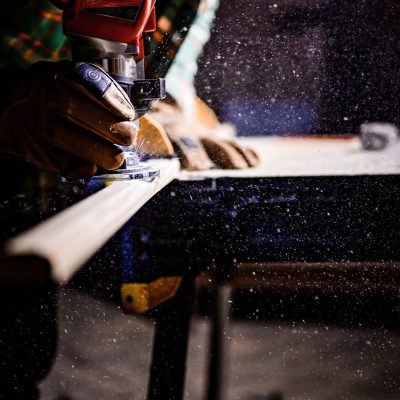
(310,156)
(71,237)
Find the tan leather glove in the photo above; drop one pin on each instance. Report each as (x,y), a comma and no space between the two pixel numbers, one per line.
(152,138)
(202,144)
(66,117)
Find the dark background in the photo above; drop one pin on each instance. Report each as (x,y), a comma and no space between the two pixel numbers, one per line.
(303,66)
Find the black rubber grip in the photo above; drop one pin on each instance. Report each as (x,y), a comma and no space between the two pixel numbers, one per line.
(91,78)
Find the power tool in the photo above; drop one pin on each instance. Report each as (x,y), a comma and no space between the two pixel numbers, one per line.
(116,36)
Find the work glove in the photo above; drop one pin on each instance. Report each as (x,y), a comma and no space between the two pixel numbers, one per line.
(201,142)
(152,140)
(66,117)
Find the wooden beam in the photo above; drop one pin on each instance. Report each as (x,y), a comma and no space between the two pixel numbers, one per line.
(318,276)
(70,238)
(309,156)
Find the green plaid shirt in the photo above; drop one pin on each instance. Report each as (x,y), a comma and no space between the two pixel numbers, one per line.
(31,31)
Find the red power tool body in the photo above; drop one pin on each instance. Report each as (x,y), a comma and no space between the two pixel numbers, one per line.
(115,35)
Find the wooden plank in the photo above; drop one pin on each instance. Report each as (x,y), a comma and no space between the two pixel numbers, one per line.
(310,156)
(318,276)
(67,240)
(70,238)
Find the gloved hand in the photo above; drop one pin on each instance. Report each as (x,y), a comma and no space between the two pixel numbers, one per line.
(202,145)
(152,138)
(66,117)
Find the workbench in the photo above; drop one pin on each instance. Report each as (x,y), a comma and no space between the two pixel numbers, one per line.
(317,211)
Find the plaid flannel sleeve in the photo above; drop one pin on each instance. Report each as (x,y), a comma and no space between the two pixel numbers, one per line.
(31,32)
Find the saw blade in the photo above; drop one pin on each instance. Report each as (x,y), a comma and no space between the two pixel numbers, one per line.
(143,170)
